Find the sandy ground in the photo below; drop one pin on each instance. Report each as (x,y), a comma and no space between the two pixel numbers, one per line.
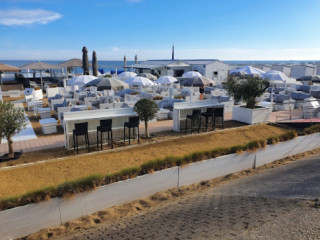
(36,176)
(198,211)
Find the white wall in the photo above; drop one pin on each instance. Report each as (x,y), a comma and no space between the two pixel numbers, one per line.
(21,221)
(219,67)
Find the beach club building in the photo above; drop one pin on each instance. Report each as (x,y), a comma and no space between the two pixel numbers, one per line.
(286,69)
(210,68)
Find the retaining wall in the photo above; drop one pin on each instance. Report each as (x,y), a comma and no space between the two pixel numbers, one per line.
(21,221)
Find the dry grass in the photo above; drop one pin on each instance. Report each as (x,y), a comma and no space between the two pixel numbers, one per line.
(37,176)
(155,201)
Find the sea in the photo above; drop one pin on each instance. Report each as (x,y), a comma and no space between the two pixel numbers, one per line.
(107,66)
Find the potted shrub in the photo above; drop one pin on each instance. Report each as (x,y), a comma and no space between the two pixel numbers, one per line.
(247,90)
(12,121)
(146,110)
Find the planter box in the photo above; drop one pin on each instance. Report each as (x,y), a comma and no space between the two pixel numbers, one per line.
(251,116)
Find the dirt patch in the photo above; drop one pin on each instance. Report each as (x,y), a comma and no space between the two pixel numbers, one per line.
(155,201)
(11,99)
(37,176)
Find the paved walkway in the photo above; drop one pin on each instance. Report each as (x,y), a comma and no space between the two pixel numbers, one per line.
(47,142)
(268,205)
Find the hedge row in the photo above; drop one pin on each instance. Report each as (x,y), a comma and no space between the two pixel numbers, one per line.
(69,188)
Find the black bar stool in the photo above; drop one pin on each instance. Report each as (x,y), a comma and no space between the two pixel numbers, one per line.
(105,126)
(81,129)
(196,115)
(133,123)
(218,113)
(207,115)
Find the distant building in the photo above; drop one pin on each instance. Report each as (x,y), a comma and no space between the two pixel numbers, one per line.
(298,71)
(264,67)
(286,69)
(210,68)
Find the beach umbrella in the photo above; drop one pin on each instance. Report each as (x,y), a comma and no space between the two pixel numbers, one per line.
(140,81)
(40,66)
(191,74)
(74,62)
(94,64)
(136,59)
(85,61)
(165,80)
(198,82)
(107,84)
(252,75)
(81,80)
(247,70)
(313,78)
(148,75)
(275,76)
(126,75)
(238,74)
(7,68)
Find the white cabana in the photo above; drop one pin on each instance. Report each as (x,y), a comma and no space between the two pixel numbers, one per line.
(126,75)
(191,74)
(166,80)
(247,70)
(139,81)
(80,80)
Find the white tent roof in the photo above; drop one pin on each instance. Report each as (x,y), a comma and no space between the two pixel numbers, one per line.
(81,80)
(248,70)
(191,74)
(166,80)
(126,75)
(277,77)
(139,81)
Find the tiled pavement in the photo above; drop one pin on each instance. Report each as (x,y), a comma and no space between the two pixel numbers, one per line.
(55,141)
(166,125)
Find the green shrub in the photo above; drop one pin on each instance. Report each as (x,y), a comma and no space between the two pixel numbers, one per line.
(78,185)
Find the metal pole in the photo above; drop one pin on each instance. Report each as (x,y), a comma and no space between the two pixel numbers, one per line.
(290,107)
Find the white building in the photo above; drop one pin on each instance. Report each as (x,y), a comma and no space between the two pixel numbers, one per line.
(286,69)
(210,68)
(298,71)
(263,67)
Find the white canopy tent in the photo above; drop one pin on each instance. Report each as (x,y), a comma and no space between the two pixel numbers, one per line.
(139,81)
(277,77)
(126,75)
(166,80)
(247,70)
(80,80)
(191,74)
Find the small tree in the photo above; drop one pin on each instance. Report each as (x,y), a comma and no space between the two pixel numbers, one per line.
(146,110)
(246,89)
(12,121)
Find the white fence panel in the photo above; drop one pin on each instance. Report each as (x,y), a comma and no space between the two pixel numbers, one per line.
(215,167)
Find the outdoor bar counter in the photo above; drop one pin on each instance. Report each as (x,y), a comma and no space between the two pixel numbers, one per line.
(119,116)
(182,109)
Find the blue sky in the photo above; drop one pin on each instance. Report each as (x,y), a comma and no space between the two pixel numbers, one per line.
(223,29)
